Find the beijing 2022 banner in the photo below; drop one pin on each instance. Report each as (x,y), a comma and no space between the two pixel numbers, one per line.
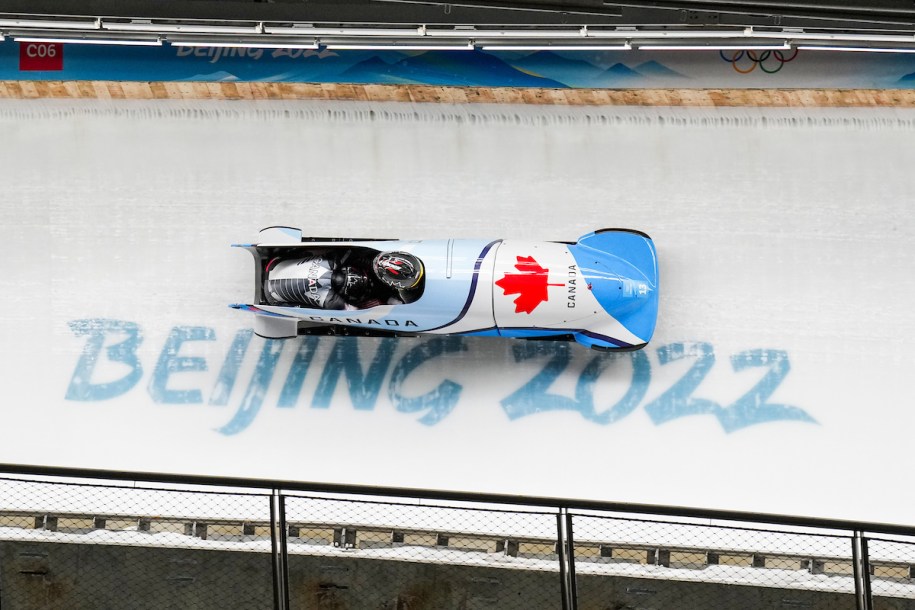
(546,69)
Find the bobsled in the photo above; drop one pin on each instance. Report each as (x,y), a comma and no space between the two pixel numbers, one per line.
(600,291)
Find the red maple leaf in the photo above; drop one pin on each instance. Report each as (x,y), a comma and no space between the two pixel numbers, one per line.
(530,284)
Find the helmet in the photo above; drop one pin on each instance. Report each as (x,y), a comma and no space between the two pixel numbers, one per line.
(351,282)
(399,270)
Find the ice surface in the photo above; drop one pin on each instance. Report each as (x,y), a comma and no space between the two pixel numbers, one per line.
(783,238)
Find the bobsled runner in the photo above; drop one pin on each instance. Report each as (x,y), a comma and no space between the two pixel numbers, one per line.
(601,291)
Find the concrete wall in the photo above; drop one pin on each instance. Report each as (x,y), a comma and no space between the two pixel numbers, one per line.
(76,576)
(47,576)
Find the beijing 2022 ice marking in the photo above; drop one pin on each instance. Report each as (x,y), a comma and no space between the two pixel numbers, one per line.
(601,291)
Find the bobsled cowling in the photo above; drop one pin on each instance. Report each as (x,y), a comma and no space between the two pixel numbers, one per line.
(622,270)
(601,291)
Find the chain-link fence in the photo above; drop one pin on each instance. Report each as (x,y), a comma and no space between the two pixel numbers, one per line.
(635,563)
(76,543)
(358,554)
(891,570)
(68,545)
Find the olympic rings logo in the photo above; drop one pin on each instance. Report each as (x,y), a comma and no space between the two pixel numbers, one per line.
(778,60)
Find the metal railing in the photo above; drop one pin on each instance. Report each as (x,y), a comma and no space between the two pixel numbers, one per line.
(81,539)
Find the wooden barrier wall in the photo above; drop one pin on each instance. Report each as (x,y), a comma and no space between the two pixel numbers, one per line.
(844,98)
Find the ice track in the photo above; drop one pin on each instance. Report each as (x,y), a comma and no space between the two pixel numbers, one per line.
(779,379)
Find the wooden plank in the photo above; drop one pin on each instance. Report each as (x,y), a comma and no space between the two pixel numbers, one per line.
(784,98)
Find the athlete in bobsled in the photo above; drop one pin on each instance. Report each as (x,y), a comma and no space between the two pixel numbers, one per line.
(328,281)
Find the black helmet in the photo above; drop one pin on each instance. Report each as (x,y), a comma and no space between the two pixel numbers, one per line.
(399,270)
(351,282)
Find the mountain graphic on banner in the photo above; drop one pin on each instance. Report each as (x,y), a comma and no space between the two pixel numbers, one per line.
(655,68)
(551,65)
(469,68)
(584,73)
(374,70)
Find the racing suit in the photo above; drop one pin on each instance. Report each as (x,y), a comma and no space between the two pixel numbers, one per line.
(307,281)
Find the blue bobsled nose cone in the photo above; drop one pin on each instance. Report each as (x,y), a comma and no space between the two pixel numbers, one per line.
(621,268)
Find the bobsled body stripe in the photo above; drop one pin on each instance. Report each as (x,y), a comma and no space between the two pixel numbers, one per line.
(474,283)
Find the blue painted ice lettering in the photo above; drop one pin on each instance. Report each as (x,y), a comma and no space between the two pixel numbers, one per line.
(438,402)
(296,377)
(125,352)
(229,371)
(257,388)
(752,408)
(638,386)
(111,348)
(748,410)
(363,387)
(678,400)
(344,359)
(170,363)
(534,396)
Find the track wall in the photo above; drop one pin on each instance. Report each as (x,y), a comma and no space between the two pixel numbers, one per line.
(777,381)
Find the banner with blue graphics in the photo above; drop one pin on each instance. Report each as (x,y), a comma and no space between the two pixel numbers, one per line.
(477,68)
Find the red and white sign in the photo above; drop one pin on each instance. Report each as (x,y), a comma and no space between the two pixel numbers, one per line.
(41,56)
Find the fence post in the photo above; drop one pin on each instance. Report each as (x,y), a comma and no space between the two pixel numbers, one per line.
(573,583)
(561,551)
(279,557)
(284,549)
(862,572)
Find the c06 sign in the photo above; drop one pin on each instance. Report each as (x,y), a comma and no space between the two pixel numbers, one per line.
(41,56)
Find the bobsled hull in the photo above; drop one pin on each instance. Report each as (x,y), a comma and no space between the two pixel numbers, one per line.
(601,291)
